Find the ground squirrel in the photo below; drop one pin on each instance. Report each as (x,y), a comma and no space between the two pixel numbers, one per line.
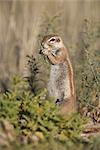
(61,83)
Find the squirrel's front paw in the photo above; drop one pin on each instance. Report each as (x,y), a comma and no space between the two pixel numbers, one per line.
(45,52)
(58,102)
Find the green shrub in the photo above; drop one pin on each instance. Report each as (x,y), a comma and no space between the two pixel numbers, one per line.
(28,112)
(38,117)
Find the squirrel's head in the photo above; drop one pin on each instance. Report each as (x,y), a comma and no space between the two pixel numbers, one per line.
(52,42)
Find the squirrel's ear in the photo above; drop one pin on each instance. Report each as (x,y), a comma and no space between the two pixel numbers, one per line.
(58,39)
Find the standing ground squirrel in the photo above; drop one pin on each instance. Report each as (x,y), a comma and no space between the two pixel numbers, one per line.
(61,83)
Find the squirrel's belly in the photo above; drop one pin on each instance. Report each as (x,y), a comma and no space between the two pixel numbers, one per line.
(52,85)
(59,84)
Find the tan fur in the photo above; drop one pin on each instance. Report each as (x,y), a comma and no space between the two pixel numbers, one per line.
(58,56)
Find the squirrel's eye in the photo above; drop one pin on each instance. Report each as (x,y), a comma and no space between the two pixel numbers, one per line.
(52,40)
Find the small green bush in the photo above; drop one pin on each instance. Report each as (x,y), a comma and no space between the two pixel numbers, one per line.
(36,116)
(28,112)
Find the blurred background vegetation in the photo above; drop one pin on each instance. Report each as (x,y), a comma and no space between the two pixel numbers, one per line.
(23,23)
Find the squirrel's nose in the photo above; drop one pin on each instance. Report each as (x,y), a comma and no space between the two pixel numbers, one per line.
(40,51)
